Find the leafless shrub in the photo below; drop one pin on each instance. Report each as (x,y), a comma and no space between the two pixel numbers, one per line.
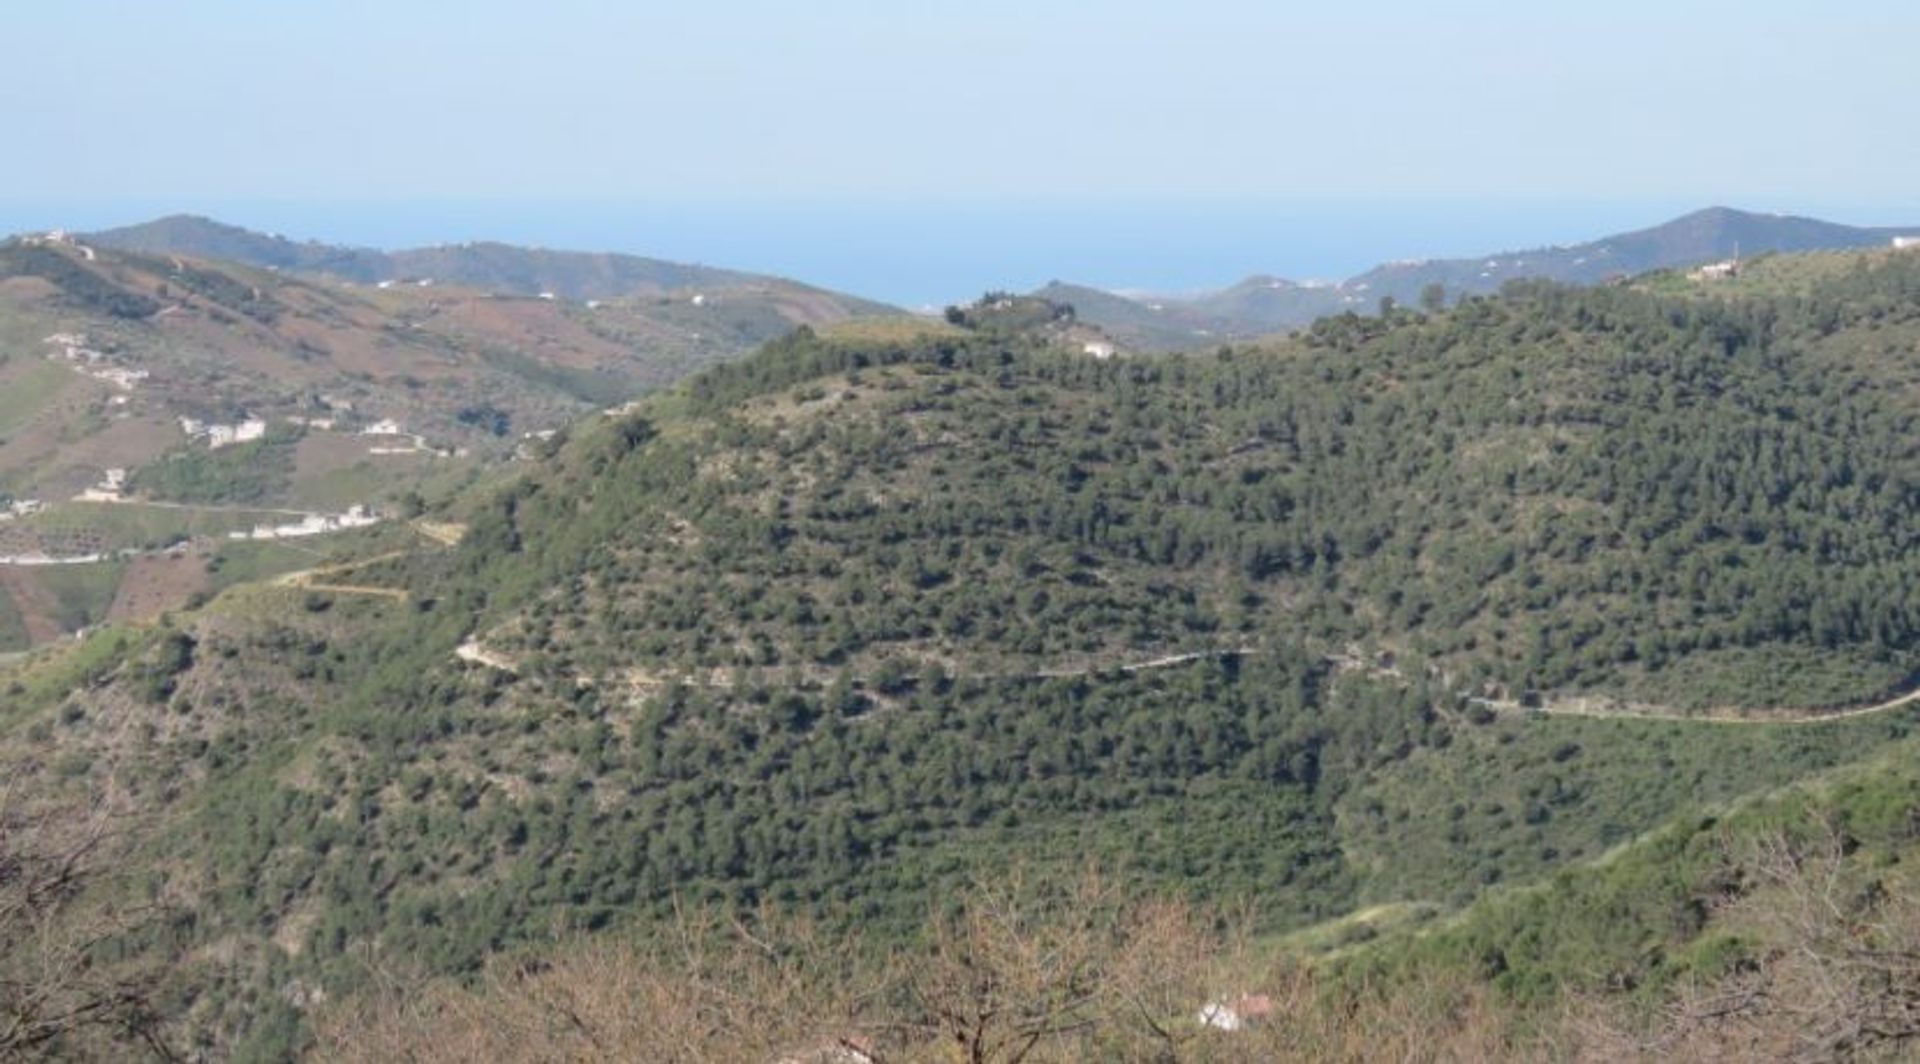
(1081,972)
(59,995)
(707,988)
(1836,975)
(1018,972)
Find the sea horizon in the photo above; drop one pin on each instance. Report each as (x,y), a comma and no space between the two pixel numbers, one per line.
(922,255)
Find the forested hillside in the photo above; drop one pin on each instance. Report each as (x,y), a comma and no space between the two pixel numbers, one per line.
(1560,489)
(855,621)
(1784,929)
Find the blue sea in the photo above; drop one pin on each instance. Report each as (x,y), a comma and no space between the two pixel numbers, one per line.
(930,254)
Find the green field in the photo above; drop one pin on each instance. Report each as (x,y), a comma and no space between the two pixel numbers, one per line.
(26,389)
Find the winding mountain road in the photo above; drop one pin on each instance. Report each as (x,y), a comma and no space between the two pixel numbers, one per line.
(1778,717)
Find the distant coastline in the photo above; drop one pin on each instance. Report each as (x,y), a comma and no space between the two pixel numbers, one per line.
(936,253)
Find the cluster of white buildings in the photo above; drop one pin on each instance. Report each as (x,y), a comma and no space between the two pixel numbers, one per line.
(312,525)
(18,508)
(74,350)
(73,347)
(415,443)
(119,376)
(217,436)
(63,238)
(112,488)
(1717,271)
(393,437)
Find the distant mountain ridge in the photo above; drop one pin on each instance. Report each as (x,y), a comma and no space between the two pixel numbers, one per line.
(492,266)
(1139,323)
(1706,235)
(1260,305)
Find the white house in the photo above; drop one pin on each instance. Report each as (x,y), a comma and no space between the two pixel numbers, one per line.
(312,525)
(222,435)
(1234,1015)
(1098,348)
(1906,243)
(119,377)
(112,488)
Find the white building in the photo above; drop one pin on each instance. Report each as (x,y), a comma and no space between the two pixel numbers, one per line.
(1906,243)
(1098,348)
(218,436)
(112,488)
(312,525)
(119,377)
(1234,1015)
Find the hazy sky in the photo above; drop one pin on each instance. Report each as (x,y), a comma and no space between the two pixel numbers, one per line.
(838,99)
(924,149)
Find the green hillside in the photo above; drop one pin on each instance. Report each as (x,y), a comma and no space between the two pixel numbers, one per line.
(1779,928)
(839,628)
(1558,491)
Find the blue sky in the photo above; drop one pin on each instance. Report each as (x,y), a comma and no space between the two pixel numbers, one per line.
(278,106)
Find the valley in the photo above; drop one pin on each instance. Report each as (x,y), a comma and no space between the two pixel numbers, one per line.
(1028,533)
(1430,617)
(164,406)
